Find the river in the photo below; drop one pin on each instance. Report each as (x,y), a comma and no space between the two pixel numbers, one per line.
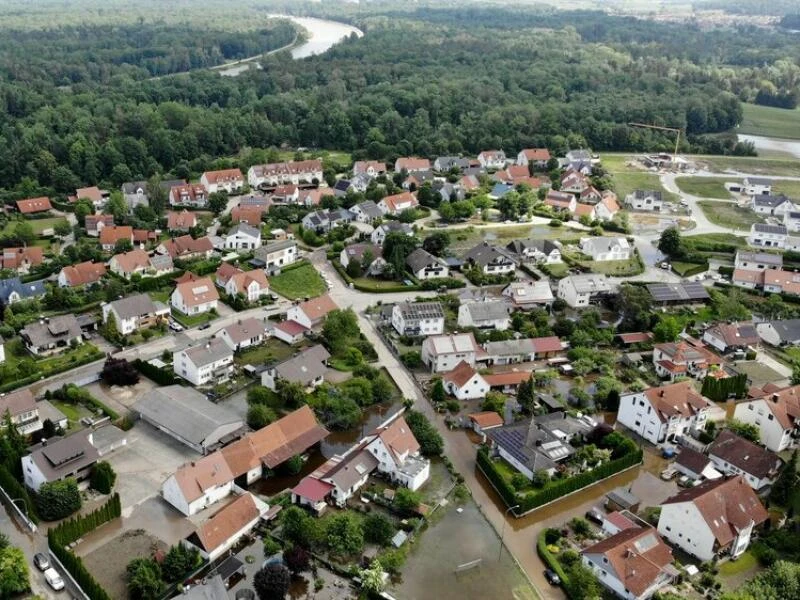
(322,35)
(768,144)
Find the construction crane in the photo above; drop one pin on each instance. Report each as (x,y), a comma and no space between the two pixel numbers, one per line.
(658,127)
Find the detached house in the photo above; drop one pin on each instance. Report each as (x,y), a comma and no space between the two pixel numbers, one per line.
(607,208)
(412,164)
(109,236)
(561,201)
(21,260)
(634,563)
(485,315)
(397,203)
(248,214)
(734,455)
(397,452)
(84,273)
(444,352)
(758,261)
(94,224)
(529,294)
(780,333)
(195,297)
(367,212)
(606,248)
(685,358)
(373,168)
(229,180)
(253,285)
(275,255)
(139,262)
(713,518)
(379,235)
(21,407)
(198,484)
(51,335)
(425,265)
(181,221)
(492,159)
(311,314)
(306,369)
(186,247)
(767,236)
(205,364)
(645,200)
(244,333)
(539,251)
(465,383)
(226,527)
(33,206)
(664,413)
(366,254)
(243,237)
(757,186)
(777,416)
(574,182)
(418,318)
(581,290)
(13,290)
(135,312)
(727,337)
(772,206)
(190,194)
(491,260)
(539,157)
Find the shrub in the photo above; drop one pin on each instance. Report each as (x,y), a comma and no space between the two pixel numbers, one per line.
(552,535)
(519,481)
(412,359)
(378,529)
(58,499)
(271,547)
(103,477)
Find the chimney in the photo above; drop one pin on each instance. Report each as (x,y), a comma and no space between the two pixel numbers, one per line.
(44,442)
(775,397)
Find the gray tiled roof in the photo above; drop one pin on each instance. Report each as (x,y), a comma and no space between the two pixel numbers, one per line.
(305,367)
(138,305)
(212,351)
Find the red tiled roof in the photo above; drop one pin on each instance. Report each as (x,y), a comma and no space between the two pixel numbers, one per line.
(536,153)
(676,399)
(109,236)
(486,419)
(291,328)
(84,273)
(547,344)
(12,258)
(227,522)
(181,220)
(312,489)
(34,205)
(223,175)
(620,521)
(507,378)
(636,337)
(460,375)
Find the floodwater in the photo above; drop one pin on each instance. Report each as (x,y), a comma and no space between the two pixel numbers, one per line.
(787,146)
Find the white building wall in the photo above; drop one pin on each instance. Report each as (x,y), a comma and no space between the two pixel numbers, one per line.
(34,478)
(683,526)
(772,434)
(295,313)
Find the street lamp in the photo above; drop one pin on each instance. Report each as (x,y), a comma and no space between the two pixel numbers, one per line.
(503,530)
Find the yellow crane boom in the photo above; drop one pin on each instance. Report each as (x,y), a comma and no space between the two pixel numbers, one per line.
(660,128)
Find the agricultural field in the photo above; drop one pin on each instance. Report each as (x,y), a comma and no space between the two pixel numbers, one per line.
(788,188)
(704,187)
(757,165)
(726,214)
(629,178)
(770,122)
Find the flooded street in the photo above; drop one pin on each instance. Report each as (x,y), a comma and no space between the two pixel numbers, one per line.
(787,146)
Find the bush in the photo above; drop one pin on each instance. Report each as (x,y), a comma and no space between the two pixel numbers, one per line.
(552,535)
(58,499)
(103,477)
(160,376)
(378,529)
(179,562)
(406,499)
(412,359)
(430,441)
(519,481)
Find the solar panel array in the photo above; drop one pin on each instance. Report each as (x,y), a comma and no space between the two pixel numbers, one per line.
(672,292)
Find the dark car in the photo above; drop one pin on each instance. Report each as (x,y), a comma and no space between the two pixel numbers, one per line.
(595,515)
(41,561)
(205,326)
(552,577)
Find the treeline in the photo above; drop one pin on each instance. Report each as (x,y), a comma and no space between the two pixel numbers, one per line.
(407,87)
(74,54)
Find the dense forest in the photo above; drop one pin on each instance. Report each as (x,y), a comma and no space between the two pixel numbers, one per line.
(68,55)
(425,81)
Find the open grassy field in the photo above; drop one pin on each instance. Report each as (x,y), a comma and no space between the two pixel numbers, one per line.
(298,283)
(770,122)
(464,239)
(729,215)
(788,188)
(704,187)
(628,178)
(273,350)
(756,165)
(39,225)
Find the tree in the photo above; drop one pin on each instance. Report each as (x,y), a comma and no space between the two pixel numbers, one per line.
(272,582)
(144,579)
(297,559)
(83,208)
(13,572)
(117,207)
(406,499)
(378,529)
(24,233)
(667,329)
(118,371)
(58,499)
(372,578)
(290,393)
(179,561)
(103,477)
(437,392)
(123,245)
(62,229)
(746,430)
(259,415)
(354,269)
(157,196)
(344,535)
(293,465)
(773,307)
(786,482)
(396,248)
(382,389)
(430,440)
(583,585)
(217,202)
(436,243)
(780,581)
(340,329)
(494,401)
(300,528)
(730,306)
(670,243)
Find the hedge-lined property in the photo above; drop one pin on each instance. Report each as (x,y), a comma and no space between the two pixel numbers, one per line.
(15,489)
(59,538)
(160,376)
(530,500)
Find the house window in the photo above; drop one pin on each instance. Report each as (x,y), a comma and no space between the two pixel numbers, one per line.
(668,528)
(771,417)
(641,402)
(750,406)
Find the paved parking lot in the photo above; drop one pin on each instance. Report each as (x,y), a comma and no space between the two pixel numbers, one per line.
(148,459)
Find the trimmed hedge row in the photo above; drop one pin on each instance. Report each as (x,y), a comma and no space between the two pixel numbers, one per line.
(561,488)
(160,376)
(15,490)
(550,560)
(59,538)
(374,289)
(82,395)
(12,385)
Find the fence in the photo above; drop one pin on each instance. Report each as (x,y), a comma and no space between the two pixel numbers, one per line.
(8,501)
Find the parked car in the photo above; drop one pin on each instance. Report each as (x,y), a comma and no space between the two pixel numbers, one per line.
(54,579)
(205,326)
(41,561)
(552,577)
(595,515)
(668,473)
(668,452)
(175,326)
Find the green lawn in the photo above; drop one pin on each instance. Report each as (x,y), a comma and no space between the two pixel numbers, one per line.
(745,562)
(73,412)
(769,121)
(273,350)
(704,187)
(617,268)
(298,283)
(191,320)
(729,215)
(161,296)
(627,182)
(38,225)
(789,188)
(682,268)
(16,353)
